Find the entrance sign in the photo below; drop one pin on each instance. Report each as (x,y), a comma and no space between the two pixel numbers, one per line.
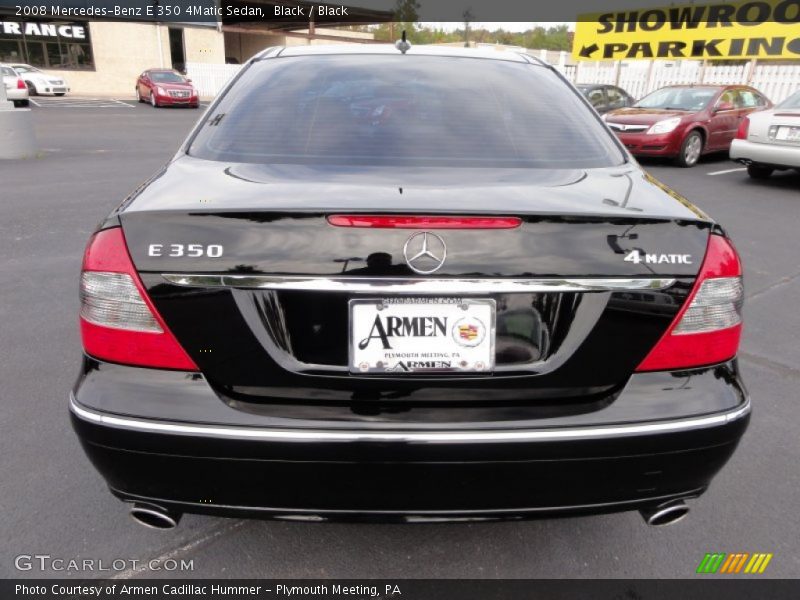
(725,30)
(37,29)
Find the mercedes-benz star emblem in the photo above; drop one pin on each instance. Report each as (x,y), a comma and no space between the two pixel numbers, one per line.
(425,252)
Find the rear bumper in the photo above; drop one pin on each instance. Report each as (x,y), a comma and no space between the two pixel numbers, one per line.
(773,155)
(17,94)
(576,464)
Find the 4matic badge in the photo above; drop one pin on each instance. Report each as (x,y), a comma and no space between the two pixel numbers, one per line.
(637,256)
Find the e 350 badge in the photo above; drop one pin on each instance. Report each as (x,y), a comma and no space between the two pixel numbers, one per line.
(190,250)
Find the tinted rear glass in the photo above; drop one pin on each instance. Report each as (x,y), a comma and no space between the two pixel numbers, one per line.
(791,102)
(404,110)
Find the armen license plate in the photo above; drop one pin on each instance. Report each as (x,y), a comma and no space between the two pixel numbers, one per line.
(422,335)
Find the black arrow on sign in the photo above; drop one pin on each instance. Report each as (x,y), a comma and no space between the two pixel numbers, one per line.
(586,52)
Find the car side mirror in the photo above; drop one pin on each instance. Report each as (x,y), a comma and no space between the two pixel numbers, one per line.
(724,106)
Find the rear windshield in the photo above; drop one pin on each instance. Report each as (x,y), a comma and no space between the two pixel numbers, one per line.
(404,110)
(791,102)
(7,72)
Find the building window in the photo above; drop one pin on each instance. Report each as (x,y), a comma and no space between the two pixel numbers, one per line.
(47,44)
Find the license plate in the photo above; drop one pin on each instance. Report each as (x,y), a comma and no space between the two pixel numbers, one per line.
(422,335)
(788,134)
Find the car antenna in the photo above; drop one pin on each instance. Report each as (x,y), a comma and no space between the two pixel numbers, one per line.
(402,44)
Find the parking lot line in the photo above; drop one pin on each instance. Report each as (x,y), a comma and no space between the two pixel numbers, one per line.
(728,171)
(205,537)
(80,103)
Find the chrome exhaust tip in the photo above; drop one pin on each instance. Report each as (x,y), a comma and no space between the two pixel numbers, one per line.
(154,517)
(665,514)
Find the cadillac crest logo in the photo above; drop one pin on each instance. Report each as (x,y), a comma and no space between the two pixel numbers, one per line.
(468,331)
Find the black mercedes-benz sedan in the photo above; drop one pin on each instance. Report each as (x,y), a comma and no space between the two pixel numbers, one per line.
(419,286)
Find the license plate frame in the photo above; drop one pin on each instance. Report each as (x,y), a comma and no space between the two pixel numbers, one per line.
(452,351)
(792,133)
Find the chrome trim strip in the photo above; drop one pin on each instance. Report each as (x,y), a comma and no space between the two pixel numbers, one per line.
(412,285)
(435,437)
(624,127)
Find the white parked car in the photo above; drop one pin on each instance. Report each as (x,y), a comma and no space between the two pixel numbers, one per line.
(770,139)
(39,82)
(16,90)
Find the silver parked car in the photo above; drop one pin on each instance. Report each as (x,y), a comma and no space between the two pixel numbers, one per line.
(770,139)
(16,90)
(41,83)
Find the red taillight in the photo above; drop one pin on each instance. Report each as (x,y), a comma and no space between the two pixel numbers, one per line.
(744,128)
(21,84)
(424,222)
(708,327)
(118,321)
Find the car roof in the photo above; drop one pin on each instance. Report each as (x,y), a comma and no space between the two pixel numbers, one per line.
(389,49)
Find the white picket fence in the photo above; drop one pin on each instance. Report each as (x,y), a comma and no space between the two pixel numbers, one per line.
(638,78)
(210,78)
(777,82)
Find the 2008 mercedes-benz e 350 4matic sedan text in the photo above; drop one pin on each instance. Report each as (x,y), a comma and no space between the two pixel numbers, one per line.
(417,286)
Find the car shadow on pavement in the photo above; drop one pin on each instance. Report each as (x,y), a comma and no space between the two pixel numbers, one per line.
(527,548)
(779,180)
(713,158)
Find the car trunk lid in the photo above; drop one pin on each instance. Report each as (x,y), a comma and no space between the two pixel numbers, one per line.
(258,286)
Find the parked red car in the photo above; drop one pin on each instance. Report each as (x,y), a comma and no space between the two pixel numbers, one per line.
(685,121)
(165,87)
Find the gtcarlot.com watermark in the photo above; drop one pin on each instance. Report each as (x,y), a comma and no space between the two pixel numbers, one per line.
(46,562)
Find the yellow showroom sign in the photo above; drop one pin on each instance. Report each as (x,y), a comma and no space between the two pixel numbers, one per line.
(738,30)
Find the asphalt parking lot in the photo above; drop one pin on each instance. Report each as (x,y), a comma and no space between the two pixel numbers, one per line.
(53,502)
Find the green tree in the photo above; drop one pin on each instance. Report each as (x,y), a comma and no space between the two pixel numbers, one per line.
(550,38)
